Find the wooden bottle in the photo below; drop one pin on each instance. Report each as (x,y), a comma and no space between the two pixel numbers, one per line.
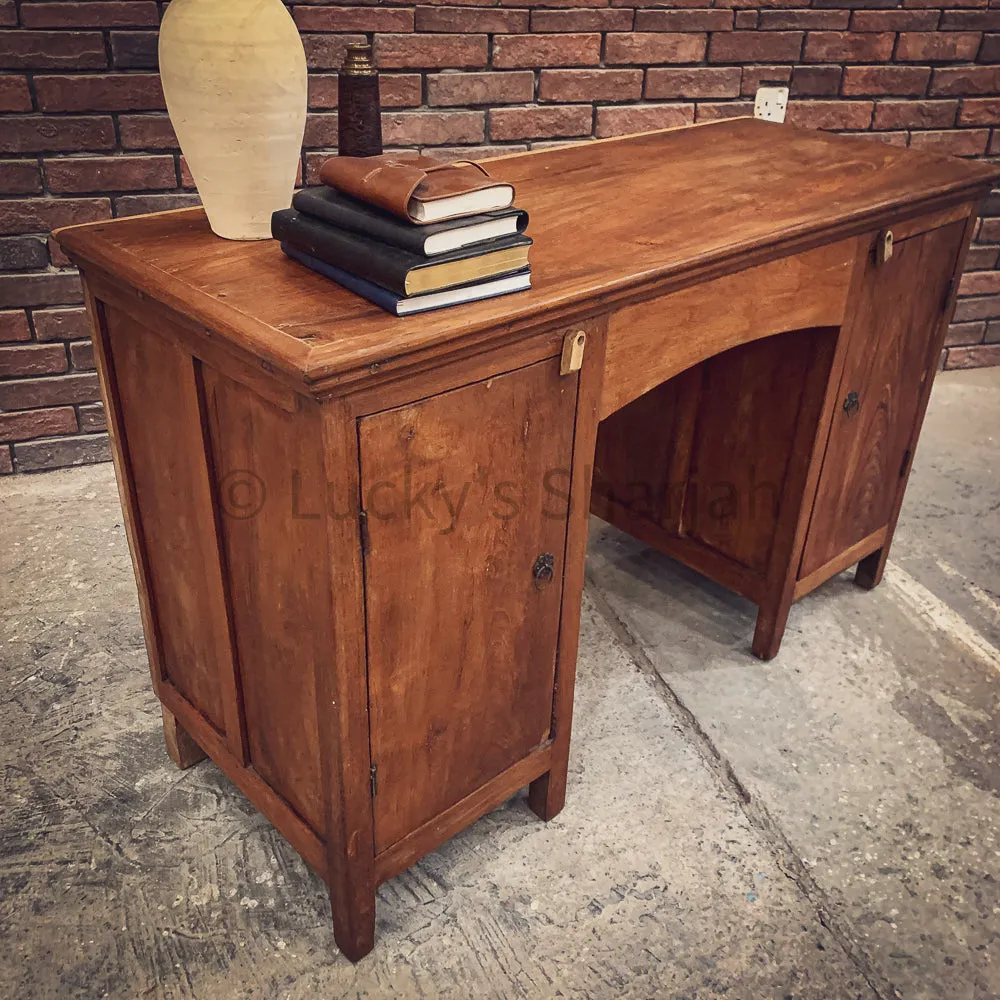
(359,122)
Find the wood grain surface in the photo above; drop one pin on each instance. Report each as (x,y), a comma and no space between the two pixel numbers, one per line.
(463,493)
(612,221)
(360,541)
(902,306)
(708,466)
(755,409)
(650,342)
(270,491)
(170,477)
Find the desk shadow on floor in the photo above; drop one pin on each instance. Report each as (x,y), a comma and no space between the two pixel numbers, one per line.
(699,613)
(702,620)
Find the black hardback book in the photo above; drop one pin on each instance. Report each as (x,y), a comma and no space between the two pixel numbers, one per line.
(399,305)
(400,271)
(438,237)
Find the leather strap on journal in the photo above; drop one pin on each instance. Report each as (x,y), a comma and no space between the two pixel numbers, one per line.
(390,181)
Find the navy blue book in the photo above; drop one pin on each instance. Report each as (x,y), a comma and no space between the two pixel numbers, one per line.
(401,305)
(400,271)
(345,212)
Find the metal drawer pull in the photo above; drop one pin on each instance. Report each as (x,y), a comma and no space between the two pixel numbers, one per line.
(543,570)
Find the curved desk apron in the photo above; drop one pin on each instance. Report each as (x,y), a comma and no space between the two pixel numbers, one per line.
(360,540)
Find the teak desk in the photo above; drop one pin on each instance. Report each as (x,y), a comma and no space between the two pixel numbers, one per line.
(360,540)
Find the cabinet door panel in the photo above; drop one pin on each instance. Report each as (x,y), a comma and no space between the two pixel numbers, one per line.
(463,492)
(896,319)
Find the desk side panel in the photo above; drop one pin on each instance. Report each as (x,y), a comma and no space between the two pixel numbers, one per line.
(270,482)
(211,577)
(158,404)
(643,453)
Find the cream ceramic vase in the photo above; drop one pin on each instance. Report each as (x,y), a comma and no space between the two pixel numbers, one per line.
(234,76)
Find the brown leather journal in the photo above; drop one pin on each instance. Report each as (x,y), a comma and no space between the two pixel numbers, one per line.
(417,188)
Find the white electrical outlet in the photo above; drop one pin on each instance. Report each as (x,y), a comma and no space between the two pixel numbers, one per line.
(770,103)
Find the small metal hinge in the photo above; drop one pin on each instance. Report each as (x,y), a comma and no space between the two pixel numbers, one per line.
(374,780)
(907,455)
(572,352)
(883,248)
(363,527)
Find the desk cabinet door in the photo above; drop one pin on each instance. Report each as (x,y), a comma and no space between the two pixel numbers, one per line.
(893,348)
(465,495)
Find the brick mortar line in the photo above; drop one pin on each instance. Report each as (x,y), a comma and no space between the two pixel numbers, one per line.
(757,814)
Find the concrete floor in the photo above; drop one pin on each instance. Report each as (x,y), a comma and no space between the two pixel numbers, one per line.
(822,826)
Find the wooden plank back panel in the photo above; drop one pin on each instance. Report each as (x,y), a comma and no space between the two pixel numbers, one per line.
(748,424)
(644,450)
(652,341)
(464,491)
(900,308)
(271,490)
(161,418)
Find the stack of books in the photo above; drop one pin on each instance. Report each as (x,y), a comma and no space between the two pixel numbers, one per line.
(409,234)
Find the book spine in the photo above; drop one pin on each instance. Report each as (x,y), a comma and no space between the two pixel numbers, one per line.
(365,223)
(343,250)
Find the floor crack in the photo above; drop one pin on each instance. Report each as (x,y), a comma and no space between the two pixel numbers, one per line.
(756,813)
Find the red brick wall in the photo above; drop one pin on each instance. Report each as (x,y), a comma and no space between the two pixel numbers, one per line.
(84,136)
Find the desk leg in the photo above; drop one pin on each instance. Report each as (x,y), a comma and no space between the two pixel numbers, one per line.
(342,701)
(771,621)
(870,569)
(181,747)
(547,794)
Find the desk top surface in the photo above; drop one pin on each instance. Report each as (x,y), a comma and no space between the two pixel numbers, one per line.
(610,219)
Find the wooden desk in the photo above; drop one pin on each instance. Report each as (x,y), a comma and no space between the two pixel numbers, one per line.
(360,541)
